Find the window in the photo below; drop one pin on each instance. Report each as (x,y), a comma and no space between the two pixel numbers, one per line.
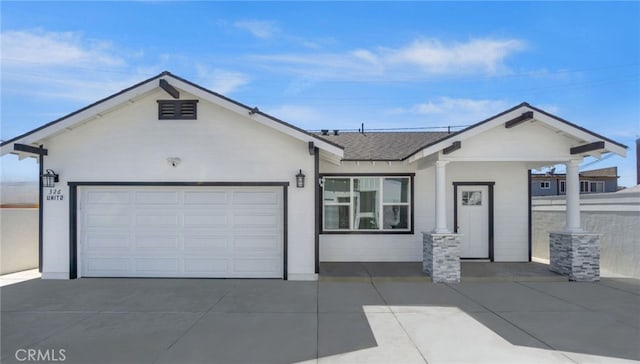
(563,186)
(367,203)
(471,198)
(545,185)
(596,186)
(177,109)
(584,186)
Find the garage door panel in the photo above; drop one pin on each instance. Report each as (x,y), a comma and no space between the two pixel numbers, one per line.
(156,219)
(156,197)
(255,220)
(257,242)
(107,197)
(272,266)
(181,232)
(256,198)
(205,219)
(206,197)
(156,265)
(207,266)
(199,242)
(105,266)
(107,221)
(156,242)
(107,241)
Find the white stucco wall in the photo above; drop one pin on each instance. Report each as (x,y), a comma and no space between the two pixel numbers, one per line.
(131,144)
(510,211)
(613,215)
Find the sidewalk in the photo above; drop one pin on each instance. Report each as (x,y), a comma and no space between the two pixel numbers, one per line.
(17,277)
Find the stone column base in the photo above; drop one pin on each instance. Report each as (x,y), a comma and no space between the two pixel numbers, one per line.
(575,255)
(441,257)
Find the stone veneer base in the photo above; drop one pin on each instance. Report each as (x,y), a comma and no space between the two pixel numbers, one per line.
(575,255)
(441,257)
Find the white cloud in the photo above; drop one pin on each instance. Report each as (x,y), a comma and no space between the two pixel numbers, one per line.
(221,81)
(64,65)
(417,60)
(258,28)
(435,57)
(454,110)
(55,48)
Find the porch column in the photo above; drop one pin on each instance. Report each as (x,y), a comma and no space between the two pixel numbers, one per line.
(574,252)
(441,198)
(572,190)
(441,248)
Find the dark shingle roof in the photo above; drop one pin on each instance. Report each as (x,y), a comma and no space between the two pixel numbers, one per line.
(382,146)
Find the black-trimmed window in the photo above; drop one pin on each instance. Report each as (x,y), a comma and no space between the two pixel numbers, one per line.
(367,204)
(177,109)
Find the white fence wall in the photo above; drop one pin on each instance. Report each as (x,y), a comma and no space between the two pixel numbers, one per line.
(18,226)
(18,239)
(616,216)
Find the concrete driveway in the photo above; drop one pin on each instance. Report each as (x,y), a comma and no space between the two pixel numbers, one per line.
(271,321)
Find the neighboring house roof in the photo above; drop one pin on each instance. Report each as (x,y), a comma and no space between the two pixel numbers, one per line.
(609,172)
(381,146)
(602,172)
(99,108)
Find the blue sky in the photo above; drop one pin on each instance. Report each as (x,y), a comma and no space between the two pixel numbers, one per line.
(333,65)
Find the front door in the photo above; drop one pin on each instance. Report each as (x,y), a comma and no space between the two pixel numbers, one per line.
(473,221)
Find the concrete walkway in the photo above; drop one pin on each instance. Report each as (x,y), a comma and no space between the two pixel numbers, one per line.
(272,321)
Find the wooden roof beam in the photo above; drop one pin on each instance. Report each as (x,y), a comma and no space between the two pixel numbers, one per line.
(170,89)
(29,149)
(526,116)
(452,148)
(587,147)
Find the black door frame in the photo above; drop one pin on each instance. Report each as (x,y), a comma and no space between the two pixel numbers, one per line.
(490,185)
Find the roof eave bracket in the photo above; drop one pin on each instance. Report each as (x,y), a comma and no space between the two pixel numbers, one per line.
(526,116)
(30,149)
(452,148)
(587,148)
(169,89)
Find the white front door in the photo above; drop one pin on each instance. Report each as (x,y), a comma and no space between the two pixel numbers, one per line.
(173,231)
(473,221)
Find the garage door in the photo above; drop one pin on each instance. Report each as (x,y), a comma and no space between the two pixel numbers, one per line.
(181,232)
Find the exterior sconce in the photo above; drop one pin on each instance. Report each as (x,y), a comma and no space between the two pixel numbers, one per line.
(49,179)
(300,179)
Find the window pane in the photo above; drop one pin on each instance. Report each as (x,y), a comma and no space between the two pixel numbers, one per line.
(336,190)
(366,193)
(336,217)
(396,190)
(584,186)
(597,186)
(395,217)
(471,198)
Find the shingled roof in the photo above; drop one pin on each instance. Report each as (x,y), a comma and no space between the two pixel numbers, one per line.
(382,146)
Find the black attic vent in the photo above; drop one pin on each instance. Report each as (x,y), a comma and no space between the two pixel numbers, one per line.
(178,109)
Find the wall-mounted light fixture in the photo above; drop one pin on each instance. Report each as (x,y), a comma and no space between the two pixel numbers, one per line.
(49,179)
(300,179)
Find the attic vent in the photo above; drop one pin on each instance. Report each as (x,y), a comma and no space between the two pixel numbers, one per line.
(178,109)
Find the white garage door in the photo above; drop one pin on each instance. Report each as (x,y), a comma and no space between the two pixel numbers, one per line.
(181,232)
